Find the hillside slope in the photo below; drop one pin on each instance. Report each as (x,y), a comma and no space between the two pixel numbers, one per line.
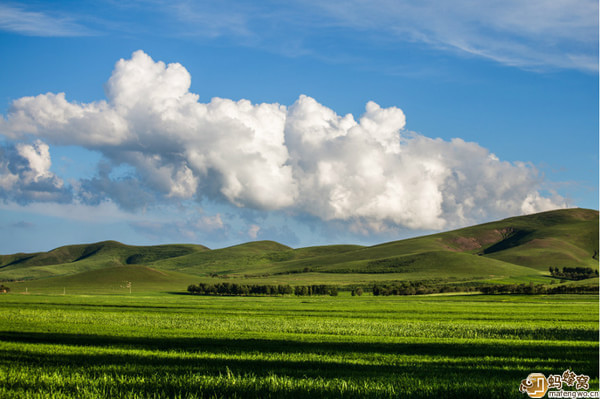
(560,238)
(514,249)
(72,259)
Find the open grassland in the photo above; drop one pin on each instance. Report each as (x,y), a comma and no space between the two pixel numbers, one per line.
(515,249)
(161,345)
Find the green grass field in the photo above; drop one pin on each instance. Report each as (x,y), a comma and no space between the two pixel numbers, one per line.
(108,320)
(180,346)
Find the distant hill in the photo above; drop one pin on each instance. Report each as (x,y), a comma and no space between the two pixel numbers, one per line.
(72,259)
(518,249)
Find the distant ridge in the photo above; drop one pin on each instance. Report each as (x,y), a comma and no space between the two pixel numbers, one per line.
(70,259)
(514,249)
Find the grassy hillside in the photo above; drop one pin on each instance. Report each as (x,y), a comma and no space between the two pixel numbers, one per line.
(559,238)
(73,259)
(519,249)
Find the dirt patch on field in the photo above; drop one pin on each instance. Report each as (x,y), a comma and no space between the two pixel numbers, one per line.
(482,240)
(466,243)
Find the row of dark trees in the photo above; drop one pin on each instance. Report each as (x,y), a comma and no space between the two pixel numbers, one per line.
(307,290)
(573,273)
(419,288)
(538,289)
(260,289)
(402,288)
(239,289)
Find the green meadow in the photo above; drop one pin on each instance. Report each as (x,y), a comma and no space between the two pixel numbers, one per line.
(184,346)
(109,320)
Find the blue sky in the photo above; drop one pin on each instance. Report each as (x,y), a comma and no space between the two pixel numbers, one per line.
(306,122)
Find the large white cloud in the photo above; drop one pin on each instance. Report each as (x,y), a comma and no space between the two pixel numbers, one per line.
(304,159)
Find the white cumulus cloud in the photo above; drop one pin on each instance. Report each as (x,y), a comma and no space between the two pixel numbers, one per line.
(25,175)
(303,159)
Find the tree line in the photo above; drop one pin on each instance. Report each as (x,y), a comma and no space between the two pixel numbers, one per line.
(401,288)
(538,289)
(573,273)
(261,289)
(419,288)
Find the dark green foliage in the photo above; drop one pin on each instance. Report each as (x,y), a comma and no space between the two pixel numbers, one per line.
(239,289)
(574,273)
(423,288)
(261,289)
(321,289)
(538,289)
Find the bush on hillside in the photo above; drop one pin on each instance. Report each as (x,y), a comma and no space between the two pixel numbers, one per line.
(573,273)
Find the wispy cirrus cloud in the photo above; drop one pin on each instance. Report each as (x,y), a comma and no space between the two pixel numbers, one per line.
(533,34)
(19,19)
(23,225)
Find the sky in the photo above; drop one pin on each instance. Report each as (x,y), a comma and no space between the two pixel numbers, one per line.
(303,122)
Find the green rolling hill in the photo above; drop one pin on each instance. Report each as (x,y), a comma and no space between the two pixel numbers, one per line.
(518,249)
(73,259)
